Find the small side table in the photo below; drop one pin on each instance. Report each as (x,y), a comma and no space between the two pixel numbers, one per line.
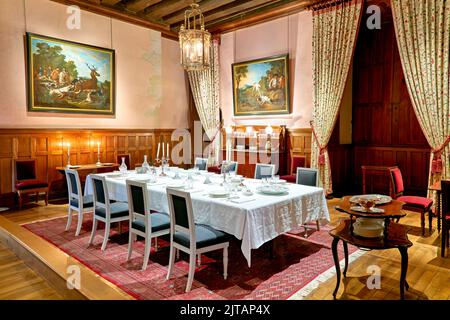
(436,187)
(397,238)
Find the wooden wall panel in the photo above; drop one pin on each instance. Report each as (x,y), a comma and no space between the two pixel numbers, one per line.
(49,148)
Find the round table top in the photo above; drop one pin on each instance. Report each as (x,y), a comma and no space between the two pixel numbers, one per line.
(392,209)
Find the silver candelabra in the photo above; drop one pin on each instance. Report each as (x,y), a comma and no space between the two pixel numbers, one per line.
(163,161)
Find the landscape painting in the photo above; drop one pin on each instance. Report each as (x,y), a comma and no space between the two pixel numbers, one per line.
(261,87)
(69,77)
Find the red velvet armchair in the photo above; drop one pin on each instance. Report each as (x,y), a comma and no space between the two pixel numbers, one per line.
(412,203)
(297,161)
(26,181)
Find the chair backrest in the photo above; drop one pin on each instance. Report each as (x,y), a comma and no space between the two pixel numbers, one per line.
(101,195)
(232,167)
(201,163)
(297,161)
(127,159)
(74,186)
(138,201)
(25,169)
(307,177)
(264,170)
(445,187)
(181,214)
(397,182)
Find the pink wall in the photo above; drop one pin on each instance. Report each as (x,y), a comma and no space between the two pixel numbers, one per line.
(293,35)
(151,89)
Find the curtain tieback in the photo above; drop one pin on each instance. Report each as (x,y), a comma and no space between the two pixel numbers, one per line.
(322,150)
(436,164)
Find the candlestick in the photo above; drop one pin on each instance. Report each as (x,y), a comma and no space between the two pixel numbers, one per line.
(98,154)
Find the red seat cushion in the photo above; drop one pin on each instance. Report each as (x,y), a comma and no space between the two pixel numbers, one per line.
(31,184)
(214,169)
(418,202)
(289,178)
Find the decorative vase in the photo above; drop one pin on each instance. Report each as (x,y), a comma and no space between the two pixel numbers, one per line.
(123,167)
(145,164)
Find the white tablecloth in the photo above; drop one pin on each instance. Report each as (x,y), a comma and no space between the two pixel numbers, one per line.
(255,222)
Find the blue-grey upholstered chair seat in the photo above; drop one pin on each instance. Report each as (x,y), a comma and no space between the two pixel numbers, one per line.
(159,221)
(117,209)
(88,201)
(204,236)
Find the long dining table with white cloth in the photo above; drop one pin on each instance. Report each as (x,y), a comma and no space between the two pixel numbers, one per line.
(255,219)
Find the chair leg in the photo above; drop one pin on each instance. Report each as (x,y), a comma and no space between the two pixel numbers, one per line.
(430,221)
(225,263)
(156,244)
(94,229)
(20,200)
(178,254)
(46,198)
(106,237)
(37,197)
(318,225)
(443,244)
(199,260)
(171,261)
(148,246)
(79,223)
(69,219)
(192,257)
(131,239)
(422,222)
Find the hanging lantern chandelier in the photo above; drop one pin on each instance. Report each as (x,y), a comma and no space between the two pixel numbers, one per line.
(195,41)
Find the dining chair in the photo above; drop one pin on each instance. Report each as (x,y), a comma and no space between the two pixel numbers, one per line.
(105,210)
(445,236)
(26,181)
(412,203)
(201,163)
(191,238)
(77,202)
(232,167)
(264,170)
(308,177)
(296,162)
(127,159)
(142,222)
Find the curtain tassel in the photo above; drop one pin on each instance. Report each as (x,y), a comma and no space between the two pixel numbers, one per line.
(436,164)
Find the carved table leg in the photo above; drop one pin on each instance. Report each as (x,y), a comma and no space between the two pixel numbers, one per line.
(336,263)
(439,212)
(346,257)
(403,283)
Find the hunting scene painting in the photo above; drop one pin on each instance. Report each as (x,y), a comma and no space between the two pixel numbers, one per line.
(261,87)
(69,77)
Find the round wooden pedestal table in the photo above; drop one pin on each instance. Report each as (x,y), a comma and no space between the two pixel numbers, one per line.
(394,236)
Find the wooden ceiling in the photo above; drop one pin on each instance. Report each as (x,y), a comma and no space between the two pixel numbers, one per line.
(167,15)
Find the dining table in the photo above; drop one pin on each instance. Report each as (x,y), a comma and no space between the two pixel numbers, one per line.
(245,212)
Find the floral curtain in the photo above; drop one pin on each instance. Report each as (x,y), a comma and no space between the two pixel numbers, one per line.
(335,30)
(205,90)
(423,30)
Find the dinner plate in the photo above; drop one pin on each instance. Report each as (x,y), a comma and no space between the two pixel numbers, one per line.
(273,190)
(371,210)
(279,181)
(176,185)
(379,198)
(218,193)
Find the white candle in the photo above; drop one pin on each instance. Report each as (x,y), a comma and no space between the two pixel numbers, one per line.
(168,151)
(98,147)
(68,149)
(163,149)
(157,153)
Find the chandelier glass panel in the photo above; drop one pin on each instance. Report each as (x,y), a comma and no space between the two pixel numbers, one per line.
(195,41)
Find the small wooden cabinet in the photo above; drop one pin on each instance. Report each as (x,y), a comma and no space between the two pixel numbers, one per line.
(249,146)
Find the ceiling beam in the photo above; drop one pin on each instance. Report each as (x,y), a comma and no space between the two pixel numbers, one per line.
(220,13)
(167,7)
(110,2)
(140,5)
(205,5)
(274,13)
(119,15)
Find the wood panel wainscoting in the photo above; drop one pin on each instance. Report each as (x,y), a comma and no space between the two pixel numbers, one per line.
(49,148)
(299,144)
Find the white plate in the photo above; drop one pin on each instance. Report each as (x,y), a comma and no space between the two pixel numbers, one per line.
(280,181)
(219,193)
(177,185)
(379,198)
(273,191)
(362,209)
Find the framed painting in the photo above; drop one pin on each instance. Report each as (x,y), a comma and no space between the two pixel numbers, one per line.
(261,87)
(69,77)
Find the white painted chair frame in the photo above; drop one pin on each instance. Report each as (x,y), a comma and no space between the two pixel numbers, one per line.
(148,234)
(235,168)
(201,160)
(79,197)
(317,184)
(264,165)
(107,206)
(192,250)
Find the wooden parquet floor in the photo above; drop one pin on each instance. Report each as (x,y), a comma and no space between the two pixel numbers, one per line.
(428,273)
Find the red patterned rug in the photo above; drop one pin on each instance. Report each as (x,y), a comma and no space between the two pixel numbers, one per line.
(295,263)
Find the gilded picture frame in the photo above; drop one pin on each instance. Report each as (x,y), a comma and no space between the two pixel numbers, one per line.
(261,86)
(69,77)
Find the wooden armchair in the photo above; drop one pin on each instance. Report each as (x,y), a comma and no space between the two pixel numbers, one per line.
(26,181)
(297,162)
